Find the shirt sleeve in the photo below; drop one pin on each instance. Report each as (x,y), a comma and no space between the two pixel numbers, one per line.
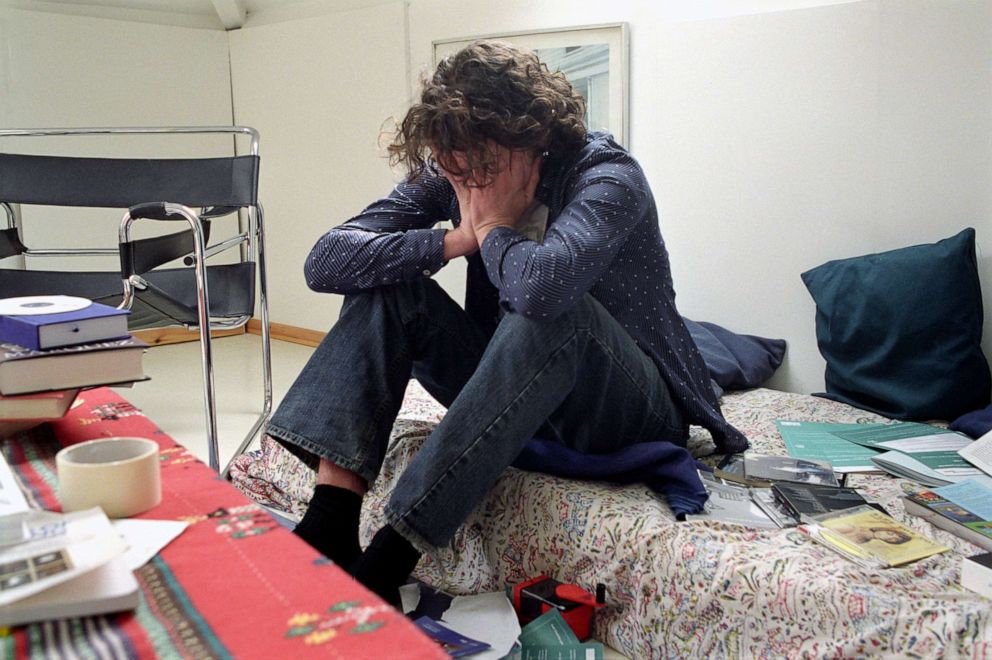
(604,205)
(391,241)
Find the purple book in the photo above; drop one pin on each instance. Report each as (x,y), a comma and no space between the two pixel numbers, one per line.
(93,323)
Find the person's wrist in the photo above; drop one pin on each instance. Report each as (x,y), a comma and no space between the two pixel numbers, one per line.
(458,243)
(482,230)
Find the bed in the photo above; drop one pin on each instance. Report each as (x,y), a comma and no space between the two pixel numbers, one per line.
(677,589)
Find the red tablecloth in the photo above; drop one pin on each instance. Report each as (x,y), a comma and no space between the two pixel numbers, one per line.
(234,584)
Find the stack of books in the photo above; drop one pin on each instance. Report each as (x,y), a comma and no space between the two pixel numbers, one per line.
(53,346)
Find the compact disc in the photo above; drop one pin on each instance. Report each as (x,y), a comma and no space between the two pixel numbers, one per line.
(26,305)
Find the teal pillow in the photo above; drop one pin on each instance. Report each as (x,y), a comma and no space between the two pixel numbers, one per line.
(901,331)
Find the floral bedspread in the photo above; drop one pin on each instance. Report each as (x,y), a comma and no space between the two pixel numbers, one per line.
(680,589)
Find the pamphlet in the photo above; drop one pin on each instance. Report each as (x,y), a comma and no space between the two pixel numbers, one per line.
(817,441)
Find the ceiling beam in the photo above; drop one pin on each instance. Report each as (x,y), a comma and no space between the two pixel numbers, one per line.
(231,13)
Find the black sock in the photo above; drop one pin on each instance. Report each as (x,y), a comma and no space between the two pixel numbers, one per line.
(330,524)
(386,564)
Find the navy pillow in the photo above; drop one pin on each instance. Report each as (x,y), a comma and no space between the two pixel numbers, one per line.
(901,330)
(736,362)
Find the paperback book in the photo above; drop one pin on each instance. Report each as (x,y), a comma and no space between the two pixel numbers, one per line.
(41,406)
(93,323)
(25,371)
(949,516)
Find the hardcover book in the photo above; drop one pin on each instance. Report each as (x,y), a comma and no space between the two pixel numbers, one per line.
(24,371)
(941,512)
(93,323)
(41,406)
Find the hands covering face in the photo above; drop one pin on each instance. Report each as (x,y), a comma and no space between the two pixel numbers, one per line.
(496,200)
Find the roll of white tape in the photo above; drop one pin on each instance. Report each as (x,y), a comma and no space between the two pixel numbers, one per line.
(120,475)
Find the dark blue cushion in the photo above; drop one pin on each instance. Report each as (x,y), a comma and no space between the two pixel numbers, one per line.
(901,330)
(736,361)
(975,423)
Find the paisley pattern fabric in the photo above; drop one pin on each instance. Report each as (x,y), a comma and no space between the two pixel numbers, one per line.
(677,588)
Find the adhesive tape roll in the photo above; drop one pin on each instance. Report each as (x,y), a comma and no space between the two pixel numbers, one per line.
(120,475)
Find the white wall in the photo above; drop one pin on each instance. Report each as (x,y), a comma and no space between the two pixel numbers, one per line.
(71,71)
(777,134)
(318,89)
(776,141)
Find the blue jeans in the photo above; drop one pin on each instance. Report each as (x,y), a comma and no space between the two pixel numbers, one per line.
(578,378)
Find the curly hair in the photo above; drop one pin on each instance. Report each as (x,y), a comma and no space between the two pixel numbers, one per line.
(488,93)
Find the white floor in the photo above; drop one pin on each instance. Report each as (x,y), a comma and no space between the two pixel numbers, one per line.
(173,398)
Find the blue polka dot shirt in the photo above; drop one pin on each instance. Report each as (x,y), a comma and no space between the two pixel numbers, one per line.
(602,238)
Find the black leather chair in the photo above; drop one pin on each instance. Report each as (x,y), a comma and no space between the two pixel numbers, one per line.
(193,191)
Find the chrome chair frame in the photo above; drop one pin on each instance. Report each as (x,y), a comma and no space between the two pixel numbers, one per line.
(251,242)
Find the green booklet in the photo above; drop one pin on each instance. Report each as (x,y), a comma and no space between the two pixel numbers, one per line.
(549,637)
(935,447)
(819,441)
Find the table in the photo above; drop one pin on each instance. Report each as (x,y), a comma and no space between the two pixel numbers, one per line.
(234,584)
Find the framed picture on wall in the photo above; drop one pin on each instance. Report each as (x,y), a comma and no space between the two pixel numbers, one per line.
(592,57)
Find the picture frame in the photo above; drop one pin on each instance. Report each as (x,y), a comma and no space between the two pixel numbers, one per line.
(594,58)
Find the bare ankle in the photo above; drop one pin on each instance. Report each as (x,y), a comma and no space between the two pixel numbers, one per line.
(333,474)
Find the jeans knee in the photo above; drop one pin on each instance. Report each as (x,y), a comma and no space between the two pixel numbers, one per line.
(405,295)
(574,318)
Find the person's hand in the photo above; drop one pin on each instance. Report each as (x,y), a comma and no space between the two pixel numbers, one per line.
(500,200)
(460,242)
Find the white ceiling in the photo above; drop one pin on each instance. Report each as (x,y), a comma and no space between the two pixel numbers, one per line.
(225,14)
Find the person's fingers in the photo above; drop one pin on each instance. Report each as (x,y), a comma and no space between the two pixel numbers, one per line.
(535,174)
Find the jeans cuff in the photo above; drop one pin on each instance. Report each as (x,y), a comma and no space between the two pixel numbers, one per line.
(311,452)
(409,533)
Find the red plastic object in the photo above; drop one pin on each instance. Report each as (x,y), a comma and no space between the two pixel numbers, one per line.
(536,596)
